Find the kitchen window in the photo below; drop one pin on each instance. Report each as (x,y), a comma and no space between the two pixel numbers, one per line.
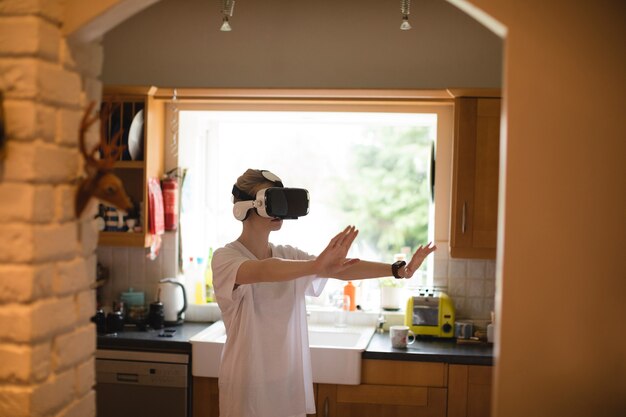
(367,164)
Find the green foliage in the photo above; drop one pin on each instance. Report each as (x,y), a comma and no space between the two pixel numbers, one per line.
(387,195)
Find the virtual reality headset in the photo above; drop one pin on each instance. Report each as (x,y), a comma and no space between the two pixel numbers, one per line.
(273,202)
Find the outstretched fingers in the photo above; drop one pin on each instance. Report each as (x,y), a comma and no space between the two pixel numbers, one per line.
(333,258)
(348,237)
(418,257)
(338,237)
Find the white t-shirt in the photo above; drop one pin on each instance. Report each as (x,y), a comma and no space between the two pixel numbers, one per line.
(265,370)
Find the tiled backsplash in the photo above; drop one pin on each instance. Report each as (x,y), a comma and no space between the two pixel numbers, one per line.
(131,268)
(470,282)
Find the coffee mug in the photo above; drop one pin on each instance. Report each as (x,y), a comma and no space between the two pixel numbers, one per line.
(401,336)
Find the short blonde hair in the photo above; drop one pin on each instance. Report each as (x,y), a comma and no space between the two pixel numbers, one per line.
(251,181)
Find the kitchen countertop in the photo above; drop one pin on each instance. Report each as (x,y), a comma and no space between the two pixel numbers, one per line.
(430,350)
(423,350)
(149,340)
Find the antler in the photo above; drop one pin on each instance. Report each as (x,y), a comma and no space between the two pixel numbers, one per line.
(110,151)
(102,183)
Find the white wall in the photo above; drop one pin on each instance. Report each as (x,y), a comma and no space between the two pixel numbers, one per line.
(303,43)
(47,260)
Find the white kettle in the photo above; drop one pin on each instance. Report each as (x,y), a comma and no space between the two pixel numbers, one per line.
(174,300)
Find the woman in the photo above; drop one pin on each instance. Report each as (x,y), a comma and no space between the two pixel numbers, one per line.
(260,287)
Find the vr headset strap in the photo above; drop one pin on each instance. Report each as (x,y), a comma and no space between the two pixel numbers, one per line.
(237,193)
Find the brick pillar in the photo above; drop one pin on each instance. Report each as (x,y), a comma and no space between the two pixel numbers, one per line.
(47,259)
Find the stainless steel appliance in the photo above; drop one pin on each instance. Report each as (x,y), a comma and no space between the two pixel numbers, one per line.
(131,384)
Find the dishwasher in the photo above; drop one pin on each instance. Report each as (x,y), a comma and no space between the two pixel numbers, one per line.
(132,384)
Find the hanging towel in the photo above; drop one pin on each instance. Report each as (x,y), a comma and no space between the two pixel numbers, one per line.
(156,219)
(156,222)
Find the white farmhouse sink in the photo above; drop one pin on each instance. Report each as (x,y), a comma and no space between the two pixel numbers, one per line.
(335,352)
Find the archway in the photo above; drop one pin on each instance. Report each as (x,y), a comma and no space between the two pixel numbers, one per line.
(562,181)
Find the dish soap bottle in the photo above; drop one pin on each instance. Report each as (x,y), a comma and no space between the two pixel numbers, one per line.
(349,290)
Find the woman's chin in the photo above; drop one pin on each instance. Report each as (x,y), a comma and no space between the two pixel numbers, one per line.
(276,223)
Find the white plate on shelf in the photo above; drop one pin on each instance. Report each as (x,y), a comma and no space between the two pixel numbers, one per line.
(135,137)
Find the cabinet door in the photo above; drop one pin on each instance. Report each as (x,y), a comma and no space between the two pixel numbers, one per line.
(326,400)
(205,397)
(474,220)
(469,391)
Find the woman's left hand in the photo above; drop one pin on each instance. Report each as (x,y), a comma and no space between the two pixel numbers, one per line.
(418,257)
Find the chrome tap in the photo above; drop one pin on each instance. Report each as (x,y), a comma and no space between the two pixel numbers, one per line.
(381,323)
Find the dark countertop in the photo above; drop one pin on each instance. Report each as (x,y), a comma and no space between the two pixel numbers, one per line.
(149,340)
(423,350)
(430,350)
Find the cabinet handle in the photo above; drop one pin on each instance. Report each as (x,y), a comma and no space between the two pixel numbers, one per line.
(127,377)
(326,412)
(463,218)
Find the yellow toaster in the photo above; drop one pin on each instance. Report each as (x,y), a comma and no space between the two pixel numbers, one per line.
(430,313)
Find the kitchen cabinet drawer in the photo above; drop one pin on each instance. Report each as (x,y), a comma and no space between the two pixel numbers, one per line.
(383,395)
(380,401)
(474,207)
(382,372)
(206,397)
(130,105)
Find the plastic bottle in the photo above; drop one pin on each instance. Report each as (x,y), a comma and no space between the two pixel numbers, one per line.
(349,290)
(208,279)
(196,277)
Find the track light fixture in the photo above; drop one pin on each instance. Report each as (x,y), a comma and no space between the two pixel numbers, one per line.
(227,12)
(405,9)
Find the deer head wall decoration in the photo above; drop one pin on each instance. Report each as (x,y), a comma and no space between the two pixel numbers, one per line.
(100,182)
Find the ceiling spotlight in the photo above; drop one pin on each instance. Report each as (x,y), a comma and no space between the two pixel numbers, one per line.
(405,9)
(225,25)
(227,11)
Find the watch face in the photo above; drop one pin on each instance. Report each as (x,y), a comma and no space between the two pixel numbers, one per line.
(396,266)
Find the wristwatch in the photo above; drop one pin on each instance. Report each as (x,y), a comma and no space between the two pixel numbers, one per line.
(395,267)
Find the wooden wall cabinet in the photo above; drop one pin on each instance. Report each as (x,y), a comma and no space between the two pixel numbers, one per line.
(474,206)
(127,102)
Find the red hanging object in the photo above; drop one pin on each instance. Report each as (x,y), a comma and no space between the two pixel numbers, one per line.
(170,202)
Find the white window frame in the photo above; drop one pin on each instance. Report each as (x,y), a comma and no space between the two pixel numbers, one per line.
(438,102)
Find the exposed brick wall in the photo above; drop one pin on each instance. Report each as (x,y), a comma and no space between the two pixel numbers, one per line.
(47,256)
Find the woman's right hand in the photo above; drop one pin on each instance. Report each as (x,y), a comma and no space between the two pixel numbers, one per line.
(333,259)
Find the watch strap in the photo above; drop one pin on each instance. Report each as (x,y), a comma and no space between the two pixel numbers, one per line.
(395,267)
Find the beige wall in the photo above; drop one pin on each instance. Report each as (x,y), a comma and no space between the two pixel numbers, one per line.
(303,43)
(561,351)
